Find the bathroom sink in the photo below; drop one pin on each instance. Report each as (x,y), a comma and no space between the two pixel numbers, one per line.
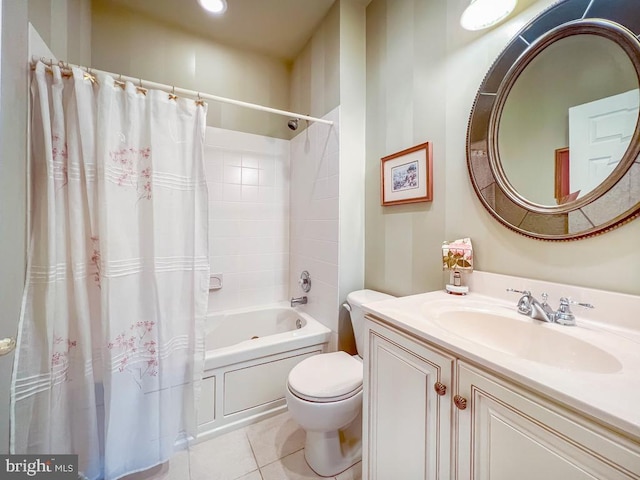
(524,338)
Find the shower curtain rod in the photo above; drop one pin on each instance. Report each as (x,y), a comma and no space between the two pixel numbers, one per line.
(184,91)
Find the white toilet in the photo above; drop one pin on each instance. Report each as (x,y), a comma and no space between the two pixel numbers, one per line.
(324,395)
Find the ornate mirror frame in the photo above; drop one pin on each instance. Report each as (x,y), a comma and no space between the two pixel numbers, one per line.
(617,199)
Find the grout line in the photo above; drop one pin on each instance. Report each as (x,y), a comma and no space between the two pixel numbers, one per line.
(255,459)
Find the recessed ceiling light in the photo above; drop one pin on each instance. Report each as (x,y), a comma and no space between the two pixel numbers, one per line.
(485,13)
(216,7)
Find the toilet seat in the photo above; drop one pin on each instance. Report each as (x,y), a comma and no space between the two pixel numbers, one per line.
(328,377)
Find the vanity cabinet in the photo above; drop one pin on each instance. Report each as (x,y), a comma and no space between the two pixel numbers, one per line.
(506,432)
(482,426)
(406,408)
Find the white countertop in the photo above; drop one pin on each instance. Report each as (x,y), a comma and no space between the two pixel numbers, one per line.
(610,398)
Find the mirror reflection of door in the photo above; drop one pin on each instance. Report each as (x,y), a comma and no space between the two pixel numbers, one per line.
(575,70)
(599,135)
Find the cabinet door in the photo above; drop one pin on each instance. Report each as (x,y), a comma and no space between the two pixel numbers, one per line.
(506,432)
(406,423)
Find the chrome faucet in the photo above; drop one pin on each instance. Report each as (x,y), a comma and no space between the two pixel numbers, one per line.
(564,315)
(298,301)
(528,305)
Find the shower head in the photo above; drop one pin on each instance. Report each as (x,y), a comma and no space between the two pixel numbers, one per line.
(293,124)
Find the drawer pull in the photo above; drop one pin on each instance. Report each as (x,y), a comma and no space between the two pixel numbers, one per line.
(460,402)
(440,388)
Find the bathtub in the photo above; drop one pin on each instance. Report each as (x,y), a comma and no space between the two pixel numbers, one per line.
(249,354)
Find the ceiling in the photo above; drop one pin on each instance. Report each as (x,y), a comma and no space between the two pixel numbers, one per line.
(278,28)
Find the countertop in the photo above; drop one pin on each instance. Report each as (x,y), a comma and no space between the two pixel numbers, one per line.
(611,399)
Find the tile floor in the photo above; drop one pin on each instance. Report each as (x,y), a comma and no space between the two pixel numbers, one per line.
(269,450)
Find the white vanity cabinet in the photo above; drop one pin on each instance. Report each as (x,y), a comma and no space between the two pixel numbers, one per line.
(483,427)
(506,432)
(407,407)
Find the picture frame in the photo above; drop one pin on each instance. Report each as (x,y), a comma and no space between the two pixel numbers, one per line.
(407,176)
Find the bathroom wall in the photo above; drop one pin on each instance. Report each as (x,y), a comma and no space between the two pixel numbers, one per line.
(132,44)
(13,202)
(315,74)
(330,71)
(423,71)
(314,217)
(248,182)
(406,106)
(65,26)
(69,40)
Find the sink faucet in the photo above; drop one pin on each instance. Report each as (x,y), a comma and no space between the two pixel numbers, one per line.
(528,305)
(298,301)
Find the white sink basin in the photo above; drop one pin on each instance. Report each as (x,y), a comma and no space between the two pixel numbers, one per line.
(522,337)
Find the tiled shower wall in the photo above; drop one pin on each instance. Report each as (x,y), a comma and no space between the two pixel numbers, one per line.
(314,217)
(248,181)
(257,241)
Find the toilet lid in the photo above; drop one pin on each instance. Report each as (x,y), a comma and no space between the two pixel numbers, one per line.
(326,377)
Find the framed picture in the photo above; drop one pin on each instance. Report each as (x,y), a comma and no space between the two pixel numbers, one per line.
(406,176)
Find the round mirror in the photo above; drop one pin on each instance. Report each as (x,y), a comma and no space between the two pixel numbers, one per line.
(580,92)
(553,139)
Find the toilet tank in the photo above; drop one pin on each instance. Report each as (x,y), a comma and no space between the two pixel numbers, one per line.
(356,300)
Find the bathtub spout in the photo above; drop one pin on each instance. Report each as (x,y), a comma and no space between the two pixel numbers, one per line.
(298,301)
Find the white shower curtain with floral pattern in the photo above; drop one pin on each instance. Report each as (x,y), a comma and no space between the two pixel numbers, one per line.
(110,348)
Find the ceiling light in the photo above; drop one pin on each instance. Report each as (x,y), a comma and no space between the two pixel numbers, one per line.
(485,13)
(216,7)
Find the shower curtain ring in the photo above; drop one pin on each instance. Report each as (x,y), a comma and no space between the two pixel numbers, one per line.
(119,82)
(140,88)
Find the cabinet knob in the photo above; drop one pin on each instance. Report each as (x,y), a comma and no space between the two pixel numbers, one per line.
(440,388)
(460,402)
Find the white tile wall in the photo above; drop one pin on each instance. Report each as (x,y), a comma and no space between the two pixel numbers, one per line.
(314,217)
(248,181)
(270,217)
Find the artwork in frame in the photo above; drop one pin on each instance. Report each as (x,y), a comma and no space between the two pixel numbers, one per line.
(406,176)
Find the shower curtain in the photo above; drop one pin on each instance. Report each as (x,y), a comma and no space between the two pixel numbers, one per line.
(110,347)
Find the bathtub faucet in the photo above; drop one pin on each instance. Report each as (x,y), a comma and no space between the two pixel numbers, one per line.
(298,301)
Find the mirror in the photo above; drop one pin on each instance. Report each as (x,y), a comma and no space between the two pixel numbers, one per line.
(576,83)
(553,139)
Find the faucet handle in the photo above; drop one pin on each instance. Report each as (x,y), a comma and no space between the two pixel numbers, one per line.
(524,304)
(565,302)
(545,297)
(585,305)
(564,315)
(523,292)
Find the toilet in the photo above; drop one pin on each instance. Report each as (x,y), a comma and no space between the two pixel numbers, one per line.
(324,395)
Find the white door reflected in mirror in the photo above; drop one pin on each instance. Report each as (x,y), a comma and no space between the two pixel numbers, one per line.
(599,135)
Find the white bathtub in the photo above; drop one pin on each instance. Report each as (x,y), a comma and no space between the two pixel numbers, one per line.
(249,354)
